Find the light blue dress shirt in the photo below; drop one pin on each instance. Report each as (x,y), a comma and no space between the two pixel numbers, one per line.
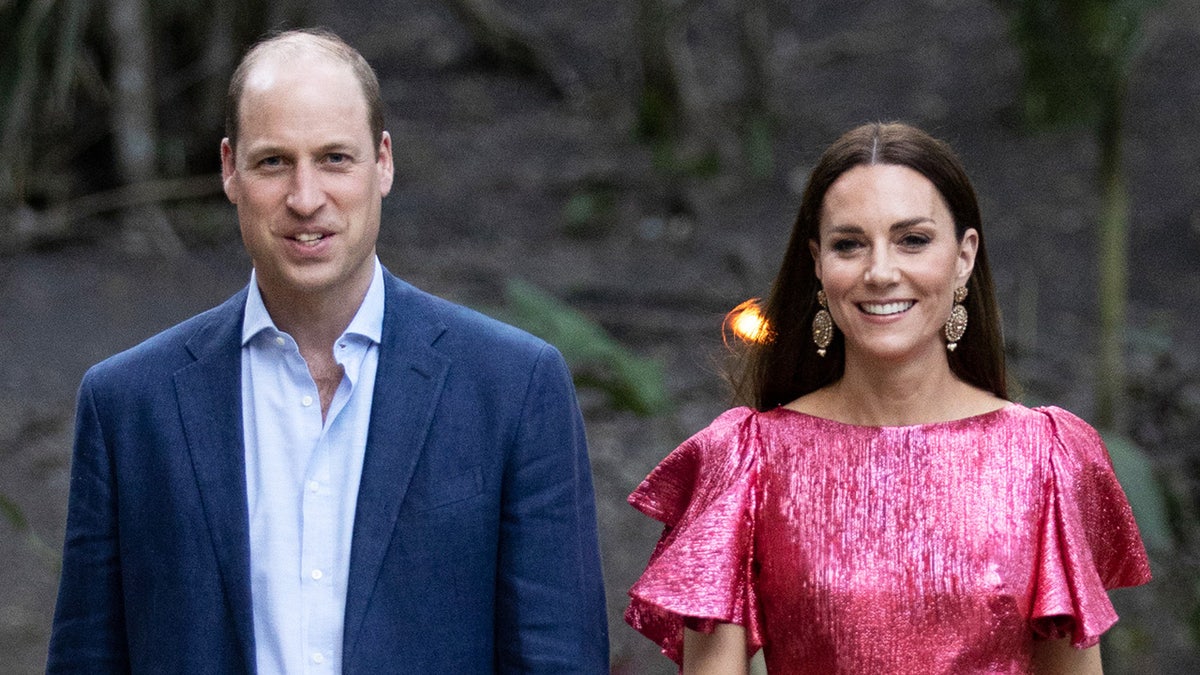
(302,477)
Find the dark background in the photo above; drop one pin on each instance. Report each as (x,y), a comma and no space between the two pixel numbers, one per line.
(492,168)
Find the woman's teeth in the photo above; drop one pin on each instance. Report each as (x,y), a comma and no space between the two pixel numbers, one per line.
(886,308)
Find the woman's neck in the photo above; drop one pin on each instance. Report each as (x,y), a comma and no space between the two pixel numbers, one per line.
(903,394)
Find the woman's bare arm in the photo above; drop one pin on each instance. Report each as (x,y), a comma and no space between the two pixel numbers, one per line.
(721,652)
(1058,657)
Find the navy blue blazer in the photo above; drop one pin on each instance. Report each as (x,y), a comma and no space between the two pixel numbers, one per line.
(474,545)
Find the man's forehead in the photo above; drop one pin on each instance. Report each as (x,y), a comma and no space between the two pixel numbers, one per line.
(288,61)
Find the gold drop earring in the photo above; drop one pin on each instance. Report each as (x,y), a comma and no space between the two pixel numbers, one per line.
(956,325)
(822,327)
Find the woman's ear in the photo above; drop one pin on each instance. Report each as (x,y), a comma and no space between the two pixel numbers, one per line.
(967,249)
(814,248)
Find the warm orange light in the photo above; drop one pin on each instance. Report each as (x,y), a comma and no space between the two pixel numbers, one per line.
(747,322)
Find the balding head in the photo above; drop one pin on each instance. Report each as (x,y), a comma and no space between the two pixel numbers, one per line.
(305,43)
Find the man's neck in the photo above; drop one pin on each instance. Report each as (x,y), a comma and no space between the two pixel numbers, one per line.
(316,323)
(315,320)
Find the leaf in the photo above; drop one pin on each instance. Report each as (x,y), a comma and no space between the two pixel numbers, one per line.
(1076,55)
(1136,473)
(596,359)
(13,514)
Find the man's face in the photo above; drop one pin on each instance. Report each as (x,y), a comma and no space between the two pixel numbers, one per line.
(307,179)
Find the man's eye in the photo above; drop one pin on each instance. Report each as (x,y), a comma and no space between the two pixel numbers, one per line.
(271,161)
(337,158)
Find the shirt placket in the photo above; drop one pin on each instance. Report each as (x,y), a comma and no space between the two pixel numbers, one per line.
(318,509)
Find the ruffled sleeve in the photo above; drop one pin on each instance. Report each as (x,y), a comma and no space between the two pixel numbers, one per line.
(1089,541)
(701,570)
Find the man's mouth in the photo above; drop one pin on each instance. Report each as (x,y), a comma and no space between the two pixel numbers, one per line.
(886,308)
(308,237)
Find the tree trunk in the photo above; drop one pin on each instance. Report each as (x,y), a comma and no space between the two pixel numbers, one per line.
(754,46)
(1114,267)
(135,131)
(220,52)
(674,113)
(505,39)
(18,124)
(662,51)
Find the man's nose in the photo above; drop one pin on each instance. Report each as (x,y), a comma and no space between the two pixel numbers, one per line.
(307,194)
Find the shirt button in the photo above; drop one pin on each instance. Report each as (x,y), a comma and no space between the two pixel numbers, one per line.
(306,401)
(279,340)
(316,574)
(313,486)
(318,657)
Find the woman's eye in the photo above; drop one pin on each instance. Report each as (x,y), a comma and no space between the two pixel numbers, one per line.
(914,240)
(845,245)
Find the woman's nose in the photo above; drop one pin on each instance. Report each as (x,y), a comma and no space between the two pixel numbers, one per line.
(881,267)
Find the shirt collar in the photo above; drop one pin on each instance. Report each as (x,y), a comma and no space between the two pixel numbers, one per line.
(367,321)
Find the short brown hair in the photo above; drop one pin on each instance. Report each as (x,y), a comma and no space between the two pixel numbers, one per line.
(307,37)
(787,366)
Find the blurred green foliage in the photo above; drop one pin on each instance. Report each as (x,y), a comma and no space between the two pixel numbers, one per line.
(1076,55)
(590,211)
(1136,473)
(58,87)
(596,360)
(40,64)
(16,518)
(759,141)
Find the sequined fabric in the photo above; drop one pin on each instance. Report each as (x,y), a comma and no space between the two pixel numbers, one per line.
(937,548)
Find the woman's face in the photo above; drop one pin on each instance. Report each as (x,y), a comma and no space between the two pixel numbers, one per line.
(889,262)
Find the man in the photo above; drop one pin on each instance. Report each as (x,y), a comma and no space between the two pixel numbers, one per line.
(332,471)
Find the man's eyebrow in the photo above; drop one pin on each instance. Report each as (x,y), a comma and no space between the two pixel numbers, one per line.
(264,150)
(336,146)
(271,149)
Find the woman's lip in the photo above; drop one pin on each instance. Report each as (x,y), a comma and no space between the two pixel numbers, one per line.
(888,308)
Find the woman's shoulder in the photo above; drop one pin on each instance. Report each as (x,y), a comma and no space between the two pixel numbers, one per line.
(1052,422)
(710,462)
(727,434)
(732,418)
(1070,435)
(1062,419)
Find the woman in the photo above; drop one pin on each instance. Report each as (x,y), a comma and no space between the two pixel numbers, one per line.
(882,507)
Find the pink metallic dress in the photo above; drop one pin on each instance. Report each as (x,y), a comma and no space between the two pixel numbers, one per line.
(935,548)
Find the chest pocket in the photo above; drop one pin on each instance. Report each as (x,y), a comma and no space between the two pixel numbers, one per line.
(431,491)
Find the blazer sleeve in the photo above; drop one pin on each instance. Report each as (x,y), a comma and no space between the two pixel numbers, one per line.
(88,634)
(550,612)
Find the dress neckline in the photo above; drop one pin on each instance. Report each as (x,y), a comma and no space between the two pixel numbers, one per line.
(962,421)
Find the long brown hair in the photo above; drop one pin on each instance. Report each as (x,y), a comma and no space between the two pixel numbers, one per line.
(786,366)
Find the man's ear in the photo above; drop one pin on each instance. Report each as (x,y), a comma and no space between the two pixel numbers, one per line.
(387,167)
(228,171)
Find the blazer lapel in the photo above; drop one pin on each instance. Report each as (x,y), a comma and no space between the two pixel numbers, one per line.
(209,392)
(408,384)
